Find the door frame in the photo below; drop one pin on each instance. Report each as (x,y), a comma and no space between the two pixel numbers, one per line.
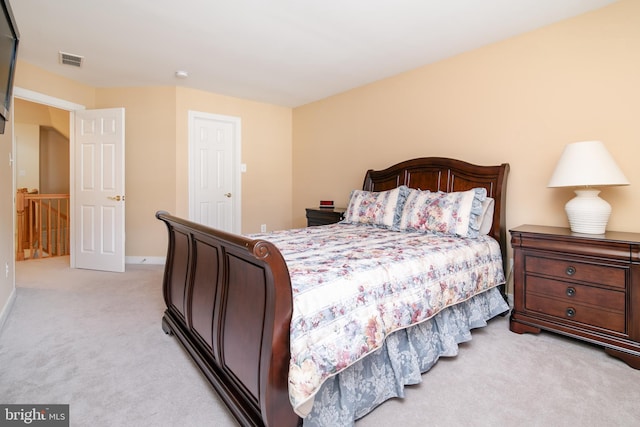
(236,189)
(40,98)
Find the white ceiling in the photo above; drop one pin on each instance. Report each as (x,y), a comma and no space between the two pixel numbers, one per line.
(284,52)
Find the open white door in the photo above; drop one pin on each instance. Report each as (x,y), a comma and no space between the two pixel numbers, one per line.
(98,209)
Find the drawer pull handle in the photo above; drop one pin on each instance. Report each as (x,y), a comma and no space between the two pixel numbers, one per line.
(571,270)
(571,291)
(571,312)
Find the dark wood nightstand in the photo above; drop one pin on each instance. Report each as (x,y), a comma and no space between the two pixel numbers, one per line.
(324,216)
(580,285)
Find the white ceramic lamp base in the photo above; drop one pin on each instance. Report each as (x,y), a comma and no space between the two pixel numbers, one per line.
(587,212)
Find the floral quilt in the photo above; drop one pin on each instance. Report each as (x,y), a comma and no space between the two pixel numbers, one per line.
(353,285)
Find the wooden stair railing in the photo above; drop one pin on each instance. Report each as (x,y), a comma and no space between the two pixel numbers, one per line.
(42,225)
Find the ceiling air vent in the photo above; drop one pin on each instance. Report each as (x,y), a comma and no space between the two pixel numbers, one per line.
(70,59)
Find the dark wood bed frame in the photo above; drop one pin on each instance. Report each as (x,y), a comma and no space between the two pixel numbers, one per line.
(229,299)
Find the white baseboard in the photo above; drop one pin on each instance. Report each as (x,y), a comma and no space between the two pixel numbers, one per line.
(156,260)
(4,314)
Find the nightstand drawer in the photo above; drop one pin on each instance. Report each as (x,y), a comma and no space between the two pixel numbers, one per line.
(578,271)
(589,315)
(570,293)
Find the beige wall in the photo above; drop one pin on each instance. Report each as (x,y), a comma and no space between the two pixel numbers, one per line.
(519,101)
(28,118)
(27,155)
(266,150)
(156,156)
(7,263)
(35,79)
(156,168)
(54,161)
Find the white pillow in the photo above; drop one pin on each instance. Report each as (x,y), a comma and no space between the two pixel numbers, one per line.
(485,220)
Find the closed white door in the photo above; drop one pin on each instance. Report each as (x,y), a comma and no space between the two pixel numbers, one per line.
(99,199)
(214,187)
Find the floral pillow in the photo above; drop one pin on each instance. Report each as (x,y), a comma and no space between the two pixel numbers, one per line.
(453,213)
(376,208)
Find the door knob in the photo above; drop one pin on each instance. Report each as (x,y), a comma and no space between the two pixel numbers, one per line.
(116,198)
(227,194)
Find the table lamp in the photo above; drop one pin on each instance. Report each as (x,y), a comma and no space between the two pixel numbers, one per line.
(587,164)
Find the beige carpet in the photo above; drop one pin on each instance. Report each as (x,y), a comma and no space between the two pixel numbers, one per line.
(93,340)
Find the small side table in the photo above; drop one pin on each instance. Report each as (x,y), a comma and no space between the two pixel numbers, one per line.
(324,216)
(583,286)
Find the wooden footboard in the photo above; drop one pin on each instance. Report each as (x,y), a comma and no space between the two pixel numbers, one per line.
(229,303)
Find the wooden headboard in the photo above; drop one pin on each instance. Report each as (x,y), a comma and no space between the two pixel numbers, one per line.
(443,174)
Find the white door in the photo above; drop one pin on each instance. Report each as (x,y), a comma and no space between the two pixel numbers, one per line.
(98,215)
(214,165)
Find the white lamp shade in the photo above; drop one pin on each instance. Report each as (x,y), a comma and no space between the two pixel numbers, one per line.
(586,163)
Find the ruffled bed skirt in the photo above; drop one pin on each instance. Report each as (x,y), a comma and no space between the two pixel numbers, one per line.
(401,361)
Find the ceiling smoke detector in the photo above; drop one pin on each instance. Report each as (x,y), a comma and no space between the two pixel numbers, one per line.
(70,59)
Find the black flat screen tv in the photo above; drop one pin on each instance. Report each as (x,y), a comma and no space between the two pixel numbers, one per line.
(9,37)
